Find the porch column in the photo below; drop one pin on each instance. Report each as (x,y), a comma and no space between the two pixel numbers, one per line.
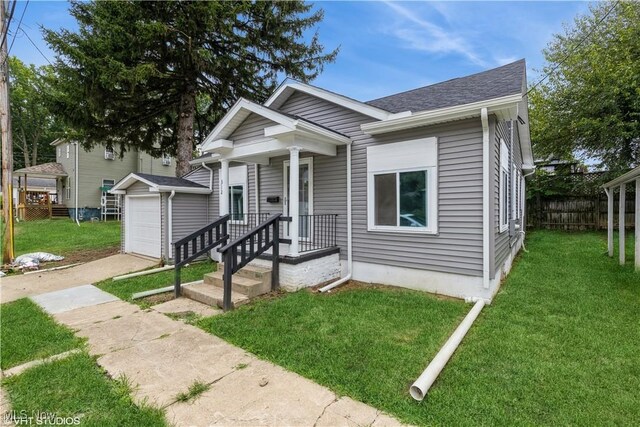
(610,195)
(224,187)
(294,198)
(638,225)
(621,213)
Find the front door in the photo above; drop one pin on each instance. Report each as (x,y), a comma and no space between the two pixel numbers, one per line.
(305,195)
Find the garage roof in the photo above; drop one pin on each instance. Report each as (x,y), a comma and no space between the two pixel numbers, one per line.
(160,184)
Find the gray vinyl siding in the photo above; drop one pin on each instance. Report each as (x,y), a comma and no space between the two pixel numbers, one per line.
(189,214)
(458,246)
(201,176)
(502,240)
(93,168)
(251,129)
(154,166)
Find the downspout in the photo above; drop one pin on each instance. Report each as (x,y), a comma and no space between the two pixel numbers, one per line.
(204,165)
(486,198)
(256,174)
(349,231)
(170,225)
(77,184)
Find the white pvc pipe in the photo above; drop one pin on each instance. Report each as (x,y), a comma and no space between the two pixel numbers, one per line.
(77,184)
(204,165)
(170,219)
(349,231)
(421,386)
(486,205)
(143,273)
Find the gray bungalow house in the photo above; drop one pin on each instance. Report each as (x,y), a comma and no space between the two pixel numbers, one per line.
(422,189)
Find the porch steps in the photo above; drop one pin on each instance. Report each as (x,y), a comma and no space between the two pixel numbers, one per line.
(59,211)
(249,282)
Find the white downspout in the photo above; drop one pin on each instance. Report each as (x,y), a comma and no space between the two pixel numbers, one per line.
(170,225)
(76,184)
(486,198)
(204,165)
(421,386)
(349,231)
(257,187)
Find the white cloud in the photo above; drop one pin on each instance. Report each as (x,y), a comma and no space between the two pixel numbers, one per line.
(420,34)
(505,60)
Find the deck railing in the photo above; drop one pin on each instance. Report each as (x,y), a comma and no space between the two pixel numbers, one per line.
(317,232)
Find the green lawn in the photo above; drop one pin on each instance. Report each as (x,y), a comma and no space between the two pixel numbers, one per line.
(125,288)
(77,387)
(560,344)
(27,333)
(63,236)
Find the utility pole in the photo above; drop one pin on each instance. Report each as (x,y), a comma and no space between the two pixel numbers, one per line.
(7,141)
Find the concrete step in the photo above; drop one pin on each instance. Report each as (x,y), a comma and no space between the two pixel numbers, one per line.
(240,284)
(252,272)
(212,295)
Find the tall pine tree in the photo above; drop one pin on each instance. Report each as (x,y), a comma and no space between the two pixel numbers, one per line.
(158,75)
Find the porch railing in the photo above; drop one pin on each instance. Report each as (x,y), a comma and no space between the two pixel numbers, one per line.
(246,248)
(240,224)
(317,232)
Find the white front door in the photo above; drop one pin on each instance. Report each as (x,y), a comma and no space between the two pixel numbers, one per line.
(142,225)
(305,195)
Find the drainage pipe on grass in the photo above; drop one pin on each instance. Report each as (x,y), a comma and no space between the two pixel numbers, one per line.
(421,386)
(349,233)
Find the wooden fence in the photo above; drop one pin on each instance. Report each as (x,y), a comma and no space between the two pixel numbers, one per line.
(577,213)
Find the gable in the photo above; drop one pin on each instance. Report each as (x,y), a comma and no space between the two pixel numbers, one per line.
(251,129)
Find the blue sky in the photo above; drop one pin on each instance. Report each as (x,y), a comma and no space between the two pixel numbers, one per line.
(388,47)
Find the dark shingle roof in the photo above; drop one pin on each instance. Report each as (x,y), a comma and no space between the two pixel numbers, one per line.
(494,83)
(170,181)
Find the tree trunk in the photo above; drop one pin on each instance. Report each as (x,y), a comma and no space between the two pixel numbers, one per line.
(186,119)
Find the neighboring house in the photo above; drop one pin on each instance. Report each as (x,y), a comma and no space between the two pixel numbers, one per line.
(422,189)
(553,166)
(97,171)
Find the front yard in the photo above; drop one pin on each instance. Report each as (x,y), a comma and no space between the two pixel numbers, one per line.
(558,346)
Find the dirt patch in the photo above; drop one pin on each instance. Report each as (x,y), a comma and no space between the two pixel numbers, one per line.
(155,299)
(76,257)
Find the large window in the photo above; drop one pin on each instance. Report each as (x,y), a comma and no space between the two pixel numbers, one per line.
(504,186)
(402,186)
(238,201)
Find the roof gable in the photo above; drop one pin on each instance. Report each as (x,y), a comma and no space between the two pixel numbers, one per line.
(158,183)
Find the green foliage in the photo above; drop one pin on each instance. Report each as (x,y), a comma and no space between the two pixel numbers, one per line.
(158,75)
(195,390)
(590,104)
(546,184)
(33,123)
(28,333)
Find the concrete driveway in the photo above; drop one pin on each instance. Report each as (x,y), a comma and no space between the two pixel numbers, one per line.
(16,287)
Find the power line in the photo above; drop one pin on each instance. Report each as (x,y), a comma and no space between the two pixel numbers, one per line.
(6,28)
(589,34)
(15,34)
(37,48)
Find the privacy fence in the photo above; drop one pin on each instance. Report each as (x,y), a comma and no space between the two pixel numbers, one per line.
(574,202)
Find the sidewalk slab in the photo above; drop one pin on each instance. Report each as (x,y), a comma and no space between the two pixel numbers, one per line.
(165,367)
(72,298)
(82,317)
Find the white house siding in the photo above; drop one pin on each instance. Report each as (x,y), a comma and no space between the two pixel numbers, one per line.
(458,246)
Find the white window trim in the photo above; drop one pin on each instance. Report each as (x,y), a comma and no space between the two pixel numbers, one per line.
(431,228)
(109,154)
(68,150)
(238,178)
(285,199)
(68,188)
(166,159)
(504,167)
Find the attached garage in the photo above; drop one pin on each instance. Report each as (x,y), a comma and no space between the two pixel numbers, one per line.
(159,210)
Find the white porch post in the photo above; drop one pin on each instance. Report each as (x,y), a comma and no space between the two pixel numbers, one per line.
(621,213)
(294,198)
(638,224)
(610,196)
(224,187)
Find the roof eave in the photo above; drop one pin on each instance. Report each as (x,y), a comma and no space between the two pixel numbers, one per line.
(632,175)
(505,106)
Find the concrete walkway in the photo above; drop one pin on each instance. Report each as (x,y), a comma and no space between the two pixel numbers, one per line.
(16,287)
(163,357)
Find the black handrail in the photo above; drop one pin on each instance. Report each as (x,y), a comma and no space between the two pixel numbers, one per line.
(248,247)
(198,243)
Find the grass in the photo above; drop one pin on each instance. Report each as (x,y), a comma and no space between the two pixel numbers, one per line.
(28,333)
(365,343)
(77,388)
(195,390)
(63,236)
(558,346)
(125,288)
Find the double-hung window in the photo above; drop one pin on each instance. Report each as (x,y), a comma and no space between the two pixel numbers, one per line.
(504,186)
(401,186)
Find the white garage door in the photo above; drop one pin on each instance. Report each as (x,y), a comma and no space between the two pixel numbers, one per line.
(143,226)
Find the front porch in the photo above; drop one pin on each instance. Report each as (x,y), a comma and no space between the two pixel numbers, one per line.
(40,204)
